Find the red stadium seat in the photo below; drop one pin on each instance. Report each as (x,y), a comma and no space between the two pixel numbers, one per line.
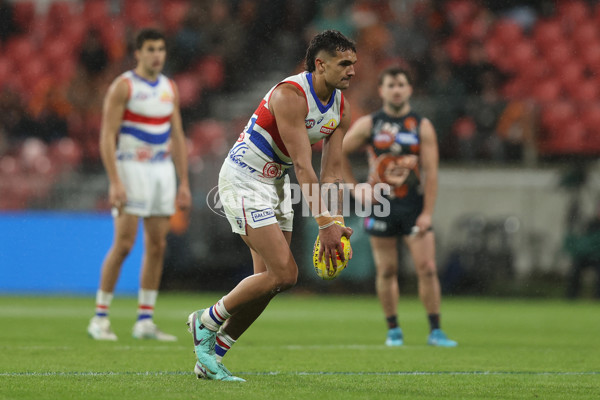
(522,54)
(32,72)
(190,88)
(139,13)
(573,11)
(459,11)
(75,32)
(208,136)
(494,50)
(569,139)
(515,88)
(547,32)
(534,71)
(570,74)
(60,14)
(591,55)
(57,50)
(211,71)
(66,153)
(585,33)
(6,68)
(95,12)
(457,50)
(547,91)
(584,91)
(24,14)
(507,32)
(590,115)
(19,50)
(172,14)
(559,54)
(557,114)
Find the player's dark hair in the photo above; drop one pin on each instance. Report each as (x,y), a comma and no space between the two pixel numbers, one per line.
(394,71)
(330,41)
(147,34)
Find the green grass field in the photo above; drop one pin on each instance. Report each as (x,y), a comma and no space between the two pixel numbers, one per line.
(307,347)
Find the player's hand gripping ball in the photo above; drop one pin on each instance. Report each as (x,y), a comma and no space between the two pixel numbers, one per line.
(320,267)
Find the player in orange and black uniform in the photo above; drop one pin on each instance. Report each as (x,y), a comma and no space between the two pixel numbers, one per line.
(403,154)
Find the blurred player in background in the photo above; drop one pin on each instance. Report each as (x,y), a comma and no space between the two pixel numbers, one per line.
(255,191)
(402,146)
(141,130)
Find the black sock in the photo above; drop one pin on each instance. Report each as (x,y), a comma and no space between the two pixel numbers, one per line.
(434,321)
(392,322)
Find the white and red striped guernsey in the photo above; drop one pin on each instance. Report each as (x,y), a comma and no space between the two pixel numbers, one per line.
(146,127)
(260,152)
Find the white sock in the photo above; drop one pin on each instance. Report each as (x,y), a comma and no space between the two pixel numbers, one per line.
(103,300)
(146,303)
(223,344)
(214,316)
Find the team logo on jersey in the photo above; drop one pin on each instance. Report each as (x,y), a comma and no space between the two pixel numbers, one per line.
(410,124)
(141,96)
(166,97)
(309,123)
(241,137)
(329,127)
(383,140)
(271,170)
(143,154)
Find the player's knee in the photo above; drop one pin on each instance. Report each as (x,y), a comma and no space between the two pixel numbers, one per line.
(285,280)
(123,247)
(427,269)
(387,271)
(156,248)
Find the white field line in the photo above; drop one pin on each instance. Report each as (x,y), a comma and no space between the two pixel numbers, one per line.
(305,373)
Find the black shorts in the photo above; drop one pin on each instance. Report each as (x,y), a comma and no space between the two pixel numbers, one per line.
(402,218)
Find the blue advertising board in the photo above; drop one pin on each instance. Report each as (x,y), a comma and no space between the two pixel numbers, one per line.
(60,252)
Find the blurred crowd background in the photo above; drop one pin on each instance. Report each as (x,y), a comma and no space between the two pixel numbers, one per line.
(510,86)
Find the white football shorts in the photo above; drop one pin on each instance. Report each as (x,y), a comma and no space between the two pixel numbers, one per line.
(150,186)
(247,201)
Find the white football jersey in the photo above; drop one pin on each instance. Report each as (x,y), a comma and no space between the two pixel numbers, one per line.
(260,151)
(146,128)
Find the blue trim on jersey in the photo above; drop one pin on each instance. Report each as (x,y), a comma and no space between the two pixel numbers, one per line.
(259,141)
(151,138)
(153,84)
(322,108)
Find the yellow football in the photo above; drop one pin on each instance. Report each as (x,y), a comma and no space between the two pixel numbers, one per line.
(331,273)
